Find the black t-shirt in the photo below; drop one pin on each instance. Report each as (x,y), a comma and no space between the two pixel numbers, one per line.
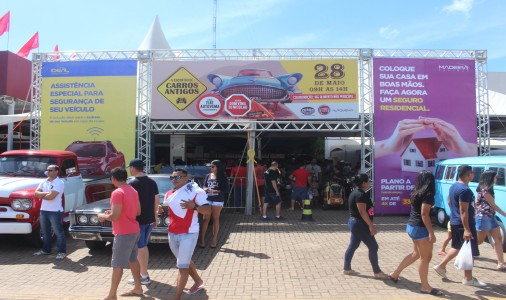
(415,216)
(147,190)
(216,184)
(359,196)
(270,175)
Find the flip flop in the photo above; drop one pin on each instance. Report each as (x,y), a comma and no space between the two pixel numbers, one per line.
(433,292)
(194,290)
(501,268)
(395,280)
(350,272)
(202,246)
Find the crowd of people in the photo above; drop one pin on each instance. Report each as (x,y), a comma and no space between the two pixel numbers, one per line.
(135,207)
(470,220)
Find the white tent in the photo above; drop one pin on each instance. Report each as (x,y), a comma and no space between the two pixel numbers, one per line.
(497,103)
(155,39)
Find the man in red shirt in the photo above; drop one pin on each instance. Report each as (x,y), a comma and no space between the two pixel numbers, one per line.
(125,207)
(260,183)
(301,179)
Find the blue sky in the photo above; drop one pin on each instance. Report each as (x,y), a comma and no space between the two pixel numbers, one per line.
(96,25)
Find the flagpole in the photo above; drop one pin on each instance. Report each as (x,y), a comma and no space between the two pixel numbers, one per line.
(8,35)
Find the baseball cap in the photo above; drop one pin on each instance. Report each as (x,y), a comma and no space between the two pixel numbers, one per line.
(136,163)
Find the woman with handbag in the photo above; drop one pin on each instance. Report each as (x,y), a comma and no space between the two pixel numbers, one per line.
(486,223)
(419,229)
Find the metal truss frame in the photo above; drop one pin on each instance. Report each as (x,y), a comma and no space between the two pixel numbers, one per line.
(365,125)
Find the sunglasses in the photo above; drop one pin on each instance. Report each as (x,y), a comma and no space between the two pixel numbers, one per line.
(50,170)
(177,177)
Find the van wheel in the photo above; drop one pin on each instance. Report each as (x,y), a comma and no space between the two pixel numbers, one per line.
(491,241)
(95,245)
(441,218)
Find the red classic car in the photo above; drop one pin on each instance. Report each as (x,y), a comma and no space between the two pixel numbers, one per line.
(97,157)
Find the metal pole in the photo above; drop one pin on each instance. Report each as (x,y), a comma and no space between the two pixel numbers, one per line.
(250,180)
(10,134)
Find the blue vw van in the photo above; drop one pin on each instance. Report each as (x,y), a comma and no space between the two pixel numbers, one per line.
(446,174)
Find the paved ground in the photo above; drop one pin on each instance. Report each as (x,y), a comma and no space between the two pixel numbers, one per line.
(256,260)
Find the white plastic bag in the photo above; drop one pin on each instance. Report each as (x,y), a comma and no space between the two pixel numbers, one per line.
(464,260)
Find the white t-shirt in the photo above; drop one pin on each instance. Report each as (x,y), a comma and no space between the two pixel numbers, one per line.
(48,186)
(184,220)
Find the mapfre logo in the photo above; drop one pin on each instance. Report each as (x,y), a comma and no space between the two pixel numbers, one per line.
(453,68)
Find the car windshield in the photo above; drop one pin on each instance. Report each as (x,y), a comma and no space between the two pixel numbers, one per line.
(164,185)
(255,73)
(87,150)
(25,165)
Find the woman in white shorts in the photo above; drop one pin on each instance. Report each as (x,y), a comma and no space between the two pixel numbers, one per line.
(216,186)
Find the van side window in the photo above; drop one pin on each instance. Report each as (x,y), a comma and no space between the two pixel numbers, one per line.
(439,172)
(450,173)
(477,173)
(500,175)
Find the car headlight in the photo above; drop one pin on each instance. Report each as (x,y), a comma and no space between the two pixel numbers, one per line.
(217,81)
(159,221)
(292,80)
(82,220)
(21,204)
(166,221)
(93,220)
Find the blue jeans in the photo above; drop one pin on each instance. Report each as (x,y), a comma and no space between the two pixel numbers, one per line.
(360,233)
(48,220)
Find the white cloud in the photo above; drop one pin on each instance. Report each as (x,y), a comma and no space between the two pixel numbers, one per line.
(388,32)
(459,6)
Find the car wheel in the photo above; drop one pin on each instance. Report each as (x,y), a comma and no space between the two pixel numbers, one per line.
(95,245)
(441,218)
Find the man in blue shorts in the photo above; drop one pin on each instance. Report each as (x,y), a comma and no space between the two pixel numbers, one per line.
(148,196)
(462,222)
(272,191)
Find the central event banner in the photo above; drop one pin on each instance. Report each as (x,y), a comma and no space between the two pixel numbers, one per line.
(284,89)
(424,112)
(89,101)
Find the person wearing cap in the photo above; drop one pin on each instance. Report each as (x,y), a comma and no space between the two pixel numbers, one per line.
(149,199)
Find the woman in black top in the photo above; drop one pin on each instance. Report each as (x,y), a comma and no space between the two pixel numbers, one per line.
(419,229)
(216,186)
(361,226)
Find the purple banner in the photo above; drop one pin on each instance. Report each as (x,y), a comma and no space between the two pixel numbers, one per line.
(424,112)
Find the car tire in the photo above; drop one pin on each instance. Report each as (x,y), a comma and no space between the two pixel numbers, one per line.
(95,245)
(441,217)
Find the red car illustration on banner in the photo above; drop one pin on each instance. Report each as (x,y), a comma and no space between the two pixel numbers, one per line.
(97,157)
(258,85)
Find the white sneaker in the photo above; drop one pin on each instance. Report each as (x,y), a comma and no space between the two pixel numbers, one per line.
(144,281)
(60,255)
(440,271)
(474,282)
(40,253)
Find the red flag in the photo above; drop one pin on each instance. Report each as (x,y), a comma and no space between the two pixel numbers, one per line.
(33,43)
(4,23)
(56,57)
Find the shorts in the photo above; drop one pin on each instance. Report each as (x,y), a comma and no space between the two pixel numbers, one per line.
(484,223)
(417,232)
(272,198)
(299,193)
(145,231)
(216,203)
(182,246)
(261,190)
(124,250)
(458,238)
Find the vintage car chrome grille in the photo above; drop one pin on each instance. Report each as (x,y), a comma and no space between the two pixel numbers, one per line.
(255,92)
(106,224)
